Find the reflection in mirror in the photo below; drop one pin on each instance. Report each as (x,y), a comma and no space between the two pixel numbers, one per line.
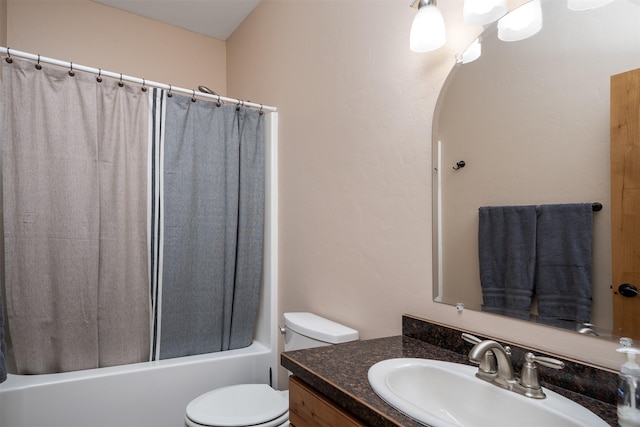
(530,119)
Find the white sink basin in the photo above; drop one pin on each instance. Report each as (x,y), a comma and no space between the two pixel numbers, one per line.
(444,394)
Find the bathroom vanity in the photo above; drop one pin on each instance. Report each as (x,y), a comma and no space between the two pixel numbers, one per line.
(308,407)
(330,386)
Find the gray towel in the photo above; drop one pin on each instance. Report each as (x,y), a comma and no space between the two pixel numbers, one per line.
(3,348)
(506,247)
(564,263)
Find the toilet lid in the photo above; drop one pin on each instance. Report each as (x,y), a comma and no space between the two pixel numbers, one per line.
(238,405)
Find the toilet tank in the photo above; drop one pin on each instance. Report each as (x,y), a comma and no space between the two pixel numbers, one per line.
(307,330)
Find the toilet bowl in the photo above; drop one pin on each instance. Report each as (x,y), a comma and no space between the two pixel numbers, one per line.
(239,405)
(258,404)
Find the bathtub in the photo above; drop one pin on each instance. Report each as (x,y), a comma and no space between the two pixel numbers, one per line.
(153,394)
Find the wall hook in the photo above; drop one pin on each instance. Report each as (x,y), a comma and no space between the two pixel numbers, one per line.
(459,165)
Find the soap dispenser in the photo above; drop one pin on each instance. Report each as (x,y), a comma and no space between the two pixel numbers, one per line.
(629,387)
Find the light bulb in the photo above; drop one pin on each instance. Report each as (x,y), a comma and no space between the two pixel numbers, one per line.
(472,53)
(521,23)
(427,31)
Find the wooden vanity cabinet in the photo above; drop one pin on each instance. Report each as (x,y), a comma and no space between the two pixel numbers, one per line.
(309,408)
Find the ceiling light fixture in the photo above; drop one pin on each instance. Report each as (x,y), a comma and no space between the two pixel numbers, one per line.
(521,23)
(483,12)
(472,53)
(427,31)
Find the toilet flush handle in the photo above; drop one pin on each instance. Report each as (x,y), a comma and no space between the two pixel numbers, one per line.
(283,330)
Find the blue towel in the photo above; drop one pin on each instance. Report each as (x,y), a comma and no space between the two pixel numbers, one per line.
(3,347)
(564,263)
(507,250)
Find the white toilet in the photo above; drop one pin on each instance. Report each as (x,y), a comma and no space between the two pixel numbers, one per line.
(258,404)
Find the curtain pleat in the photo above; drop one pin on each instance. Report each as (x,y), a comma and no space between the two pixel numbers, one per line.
(123,296)
(208,227)
(156,139)
(250,240)
(54,199)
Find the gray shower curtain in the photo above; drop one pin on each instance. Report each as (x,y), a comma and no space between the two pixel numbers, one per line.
(133,221)
(212,173)
(75,163)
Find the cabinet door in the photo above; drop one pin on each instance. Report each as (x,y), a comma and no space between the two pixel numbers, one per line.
(308,408)
(625,200)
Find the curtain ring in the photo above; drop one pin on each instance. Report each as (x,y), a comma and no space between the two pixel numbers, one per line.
(9,59)
(38,66)
(144,89)
(239,104)
(99,78)
(121,83)
(261,112)
(71,72)
(169,94)
(219,103)
(193,96)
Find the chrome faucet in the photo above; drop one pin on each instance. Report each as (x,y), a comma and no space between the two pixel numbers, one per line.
(503,376)
(488,364)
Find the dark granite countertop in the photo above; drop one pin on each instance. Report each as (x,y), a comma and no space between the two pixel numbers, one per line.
(340,373)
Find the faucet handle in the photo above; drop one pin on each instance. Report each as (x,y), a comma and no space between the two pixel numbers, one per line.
(529,374)
(488,364)
(546,361)
(471,339)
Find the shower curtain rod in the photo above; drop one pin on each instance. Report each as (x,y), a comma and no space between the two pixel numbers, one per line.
(12,52)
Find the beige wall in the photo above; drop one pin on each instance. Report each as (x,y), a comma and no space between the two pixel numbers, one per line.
(355,168)
(95,35)
(354,213)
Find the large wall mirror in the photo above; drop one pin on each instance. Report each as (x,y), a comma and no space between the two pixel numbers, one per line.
(530,120)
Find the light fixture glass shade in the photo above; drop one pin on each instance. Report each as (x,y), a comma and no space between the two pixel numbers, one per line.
(521,23)
(427,31)
(472,53)
(483,12)
(586,4)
